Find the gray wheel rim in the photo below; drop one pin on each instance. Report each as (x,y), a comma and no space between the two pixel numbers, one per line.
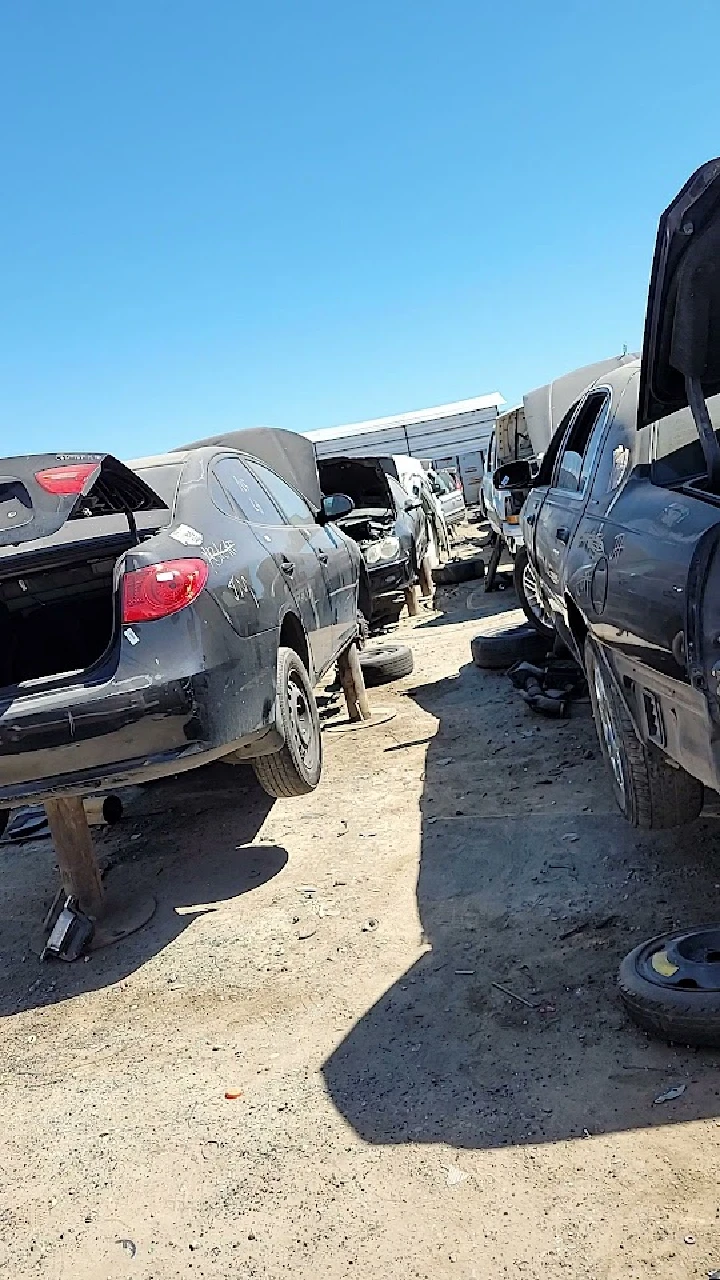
(607,727)
(302,724)
(532,596)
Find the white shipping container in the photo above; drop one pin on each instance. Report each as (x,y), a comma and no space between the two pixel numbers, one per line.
(455,430)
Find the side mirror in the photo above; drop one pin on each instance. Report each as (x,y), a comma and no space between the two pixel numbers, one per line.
(515,475)
(335,507)
(413,504)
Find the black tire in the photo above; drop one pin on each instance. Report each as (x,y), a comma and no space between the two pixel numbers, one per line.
(535,614)
(295,769)
(4,819)
(454,571)
(650,792)
(386,663)
(679,1015)
(498,648)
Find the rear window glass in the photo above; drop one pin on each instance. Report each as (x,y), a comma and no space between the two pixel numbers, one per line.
(678,453)
(163,481)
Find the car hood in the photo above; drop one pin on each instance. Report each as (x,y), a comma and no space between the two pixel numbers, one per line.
(682,325)
(365,480)
(290,455)
(546,407)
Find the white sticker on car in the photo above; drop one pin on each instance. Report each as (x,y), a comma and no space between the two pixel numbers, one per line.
(186,535)
(131,636)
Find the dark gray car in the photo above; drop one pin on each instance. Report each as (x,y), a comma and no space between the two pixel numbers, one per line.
(623,530)
(161,614)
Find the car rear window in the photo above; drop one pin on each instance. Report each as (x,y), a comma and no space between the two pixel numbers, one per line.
(163,480)
(677,454)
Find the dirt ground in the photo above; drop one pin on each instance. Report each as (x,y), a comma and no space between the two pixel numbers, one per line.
(333,960)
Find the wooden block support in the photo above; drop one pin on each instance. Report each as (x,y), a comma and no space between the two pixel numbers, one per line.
(353,683)
(79,868)
(427,586)
(411,601)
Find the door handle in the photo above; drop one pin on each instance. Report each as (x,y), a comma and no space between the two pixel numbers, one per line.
(288,566)
(530,519)
(322,557)
(563,535)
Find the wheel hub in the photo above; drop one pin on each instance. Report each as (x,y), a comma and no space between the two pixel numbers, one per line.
(689,960)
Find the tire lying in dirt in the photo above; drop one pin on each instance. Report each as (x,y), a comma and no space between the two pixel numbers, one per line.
(671,986)
(295,769)
(454,571)
(649,791)
(527,593)
(382,664)
(501,644)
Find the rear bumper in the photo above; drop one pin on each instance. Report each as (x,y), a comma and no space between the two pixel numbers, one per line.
(185,692)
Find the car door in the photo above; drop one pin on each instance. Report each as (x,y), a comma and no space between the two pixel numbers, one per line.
(294,570)
(556,521)
(335,590)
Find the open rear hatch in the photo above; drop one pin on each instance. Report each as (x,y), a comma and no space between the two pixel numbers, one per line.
(65,519)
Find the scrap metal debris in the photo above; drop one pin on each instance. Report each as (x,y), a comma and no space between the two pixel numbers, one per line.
(71,931)
(671,1095)
(550,688)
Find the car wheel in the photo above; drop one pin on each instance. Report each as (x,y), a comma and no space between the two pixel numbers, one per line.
(650,792)
(671,986)
(500,645)
(529,596)
(385,663)
(295,769)
(455,571)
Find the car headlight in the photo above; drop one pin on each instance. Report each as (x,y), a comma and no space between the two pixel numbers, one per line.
(378,552)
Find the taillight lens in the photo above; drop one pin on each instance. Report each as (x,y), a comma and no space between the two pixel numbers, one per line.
(66,479)
(161,589)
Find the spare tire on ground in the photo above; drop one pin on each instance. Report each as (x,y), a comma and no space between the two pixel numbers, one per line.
(671,986)
(454,571)
(384,663)
(504,641)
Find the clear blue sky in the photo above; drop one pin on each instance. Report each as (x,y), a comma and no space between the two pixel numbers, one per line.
(217,213)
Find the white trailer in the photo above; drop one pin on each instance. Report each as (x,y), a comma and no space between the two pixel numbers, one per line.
(443,435)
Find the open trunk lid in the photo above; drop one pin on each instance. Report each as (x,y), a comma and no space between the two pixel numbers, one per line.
(40,493)
(682,324)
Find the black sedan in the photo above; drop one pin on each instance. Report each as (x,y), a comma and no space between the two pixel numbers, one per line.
(161,614)
(623,530)
(388,525)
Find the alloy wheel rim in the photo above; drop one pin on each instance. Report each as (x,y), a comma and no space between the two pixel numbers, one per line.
(532,595)
(608,731)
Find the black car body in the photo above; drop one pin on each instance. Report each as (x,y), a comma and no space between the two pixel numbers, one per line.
(143,606)
(389,526)
(623,529)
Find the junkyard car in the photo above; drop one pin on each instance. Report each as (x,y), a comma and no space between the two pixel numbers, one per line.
(161,614)
(623,529)
(389,526)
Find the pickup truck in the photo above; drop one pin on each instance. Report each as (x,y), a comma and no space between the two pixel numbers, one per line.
(622,528)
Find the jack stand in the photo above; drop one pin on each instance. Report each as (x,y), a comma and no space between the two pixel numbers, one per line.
(353,683)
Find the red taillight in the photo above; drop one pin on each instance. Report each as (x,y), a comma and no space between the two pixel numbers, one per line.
(161,589)
(66,479)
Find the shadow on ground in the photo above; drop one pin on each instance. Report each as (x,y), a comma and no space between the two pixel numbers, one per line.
(189,849)
(530,880)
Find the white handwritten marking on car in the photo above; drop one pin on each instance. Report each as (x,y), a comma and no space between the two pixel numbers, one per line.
(618,547)
(241,588)
(186,535)
(131,636)
(218,552)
